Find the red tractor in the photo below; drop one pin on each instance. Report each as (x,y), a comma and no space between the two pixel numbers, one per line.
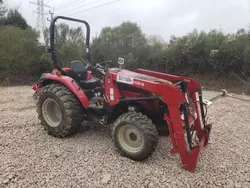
(139,105)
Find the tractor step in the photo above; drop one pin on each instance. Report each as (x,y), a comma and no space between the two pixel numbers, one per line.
(96,110)
(96,115)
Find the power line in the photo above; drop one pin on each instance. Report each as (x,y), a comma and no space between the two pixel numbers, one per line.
(102,5)
(83,6)
(69,3)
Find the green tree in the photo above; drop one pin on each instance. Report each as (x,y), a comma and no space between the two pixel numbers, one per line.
(157,54)
(209,52)
(2,11)
(19,52)
(14,18)
(69,44)
(126,40)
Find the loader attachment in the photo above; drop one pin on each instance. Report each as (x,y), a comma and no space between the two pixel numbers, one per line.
(191,157)
(185,118)
(190,134)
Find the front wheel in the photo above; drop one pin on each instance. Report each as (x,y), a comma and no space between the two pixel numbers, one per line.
(135,136)
(59,110)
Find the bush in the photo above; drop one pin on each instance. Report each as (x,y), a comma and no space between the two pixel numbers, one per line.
(202,53)
(19,52)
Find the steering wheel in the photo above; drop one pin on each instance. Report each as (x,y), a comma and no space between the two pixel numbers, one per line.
(104,64)
(99,69)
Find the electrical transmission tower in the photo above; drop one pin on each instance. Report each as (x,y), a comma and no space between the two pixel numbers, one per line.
(40,21)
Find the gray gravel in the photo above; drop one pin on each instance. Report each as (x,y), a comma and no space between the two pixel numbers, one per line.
(31,158)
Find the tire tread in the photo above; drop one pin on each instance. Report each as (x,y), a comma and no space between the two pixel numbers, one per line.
(71,105)
(143,123)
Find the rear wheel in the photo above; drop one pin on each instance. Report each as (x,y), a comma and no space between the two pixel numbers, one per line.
(59,110)
(135,136)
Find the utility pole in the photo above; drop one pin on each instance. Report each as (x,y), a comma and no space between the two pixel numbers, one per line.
(51,16)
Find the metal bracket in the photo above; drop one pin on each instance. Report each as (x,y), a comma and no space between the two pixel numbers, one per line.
(207,102)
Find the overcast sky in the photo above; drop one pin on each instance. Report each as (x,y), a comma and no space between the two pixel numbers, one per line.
(155,17)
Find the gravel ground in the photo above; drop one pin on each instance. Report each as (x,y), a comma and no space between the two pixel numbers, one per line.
(31,158)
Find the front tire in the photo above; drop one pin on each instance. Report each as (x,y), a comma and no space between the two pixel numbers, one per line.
(135,136)
(59,110)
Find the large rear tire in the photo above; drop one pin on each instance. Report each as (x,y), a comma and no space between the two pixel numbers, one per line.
(135,136)
(59,110)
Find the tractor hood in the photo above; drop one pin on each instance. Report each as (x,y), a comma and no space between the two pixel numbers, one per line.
(130,74)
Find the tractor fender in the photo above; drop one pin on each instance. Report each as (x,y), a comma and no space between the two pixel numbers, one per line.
(70,83)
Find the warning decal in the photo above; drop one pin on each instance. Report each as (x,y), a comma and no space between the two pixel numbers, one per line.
(125,79)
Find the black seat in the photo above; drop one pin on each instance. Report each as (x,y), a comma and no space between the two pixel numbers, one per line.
(78,67)
(78,70)
(79,74)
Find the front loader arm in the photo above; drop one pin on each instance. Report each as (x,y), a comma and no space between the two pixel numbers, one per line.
(193,85)
(168,92)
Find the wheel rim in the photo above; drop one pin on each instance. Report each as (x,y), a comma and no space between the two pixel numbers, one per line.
(51,112)
(130,138)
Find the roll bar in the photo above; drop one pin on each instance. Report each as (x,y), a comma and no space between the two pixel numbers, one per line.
(52,49)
